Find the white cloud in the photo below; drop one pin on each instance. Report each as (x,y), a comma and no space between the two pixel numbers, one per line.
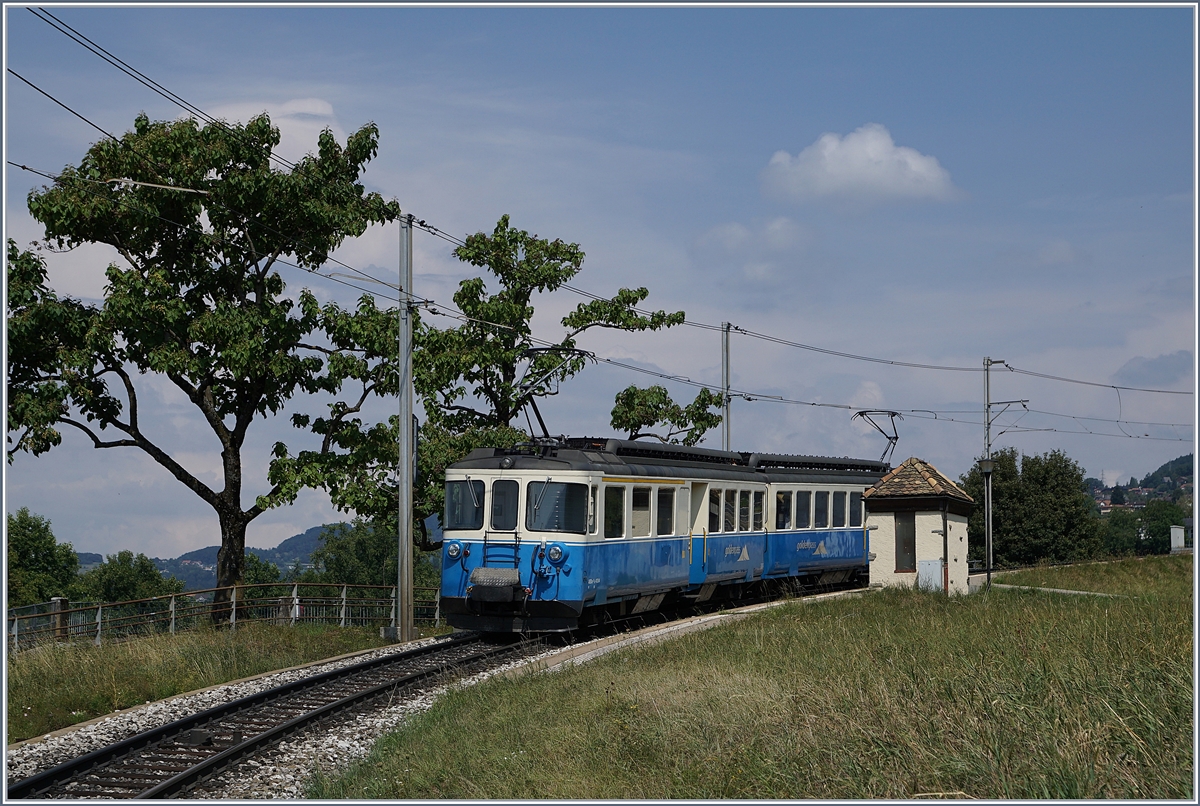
(865,165)
(300,121)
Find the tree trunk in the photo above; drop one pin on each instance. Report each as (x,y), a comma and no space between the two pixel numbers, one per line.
(231,559)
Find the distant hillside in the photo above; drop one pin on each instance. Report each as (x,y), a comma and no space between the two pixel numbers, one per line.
(198,569)
(1175,470)
(88,560)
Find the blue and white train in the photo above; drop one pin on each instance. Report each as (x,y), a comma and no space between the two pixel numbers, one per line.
(545,538)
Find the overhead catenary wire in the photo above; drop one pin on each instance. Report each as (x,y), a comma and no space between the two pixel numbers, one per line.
(158,88)
(115,61)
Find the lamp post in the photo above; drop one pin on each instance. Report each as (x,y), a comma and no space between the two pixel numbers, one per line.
(404,467)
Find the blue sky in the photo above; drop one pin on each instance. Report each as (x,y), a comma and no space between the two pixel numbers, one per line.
(923,185)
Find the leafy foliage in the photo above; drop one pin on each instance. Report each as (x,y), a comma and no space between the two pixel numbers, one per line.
(1040,510)
(637,410)
(200,300)
(481,356)
(259,570)
(1157,519)
(123,577)
(39,567)
(1121,532)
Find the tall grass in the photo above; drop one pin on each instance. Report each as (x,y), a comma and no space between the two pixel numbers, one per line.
(898,694)
(1136,576)
(59,685)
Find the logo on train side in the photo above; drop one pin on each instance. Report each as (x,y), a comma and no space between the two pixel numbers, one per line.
(819,548)
(743,554)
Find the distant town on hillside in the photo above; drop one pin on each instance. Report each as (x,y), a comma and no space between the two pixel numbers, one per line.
(1170,482)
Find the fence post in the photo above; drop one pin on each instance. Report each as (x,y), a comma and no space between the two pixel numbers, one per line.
(58,606)
(295,603)
(342,620)
(99,622)
(15,629)
(393,607)
(172,614)
(233,609)
(437,612)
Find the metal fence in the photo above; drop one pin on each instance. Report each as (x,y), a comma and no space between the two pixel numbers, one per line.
(273,603)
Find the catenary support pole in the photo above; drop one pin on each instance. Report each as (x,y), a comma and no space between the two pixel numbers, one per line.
(404,468)
(726,436)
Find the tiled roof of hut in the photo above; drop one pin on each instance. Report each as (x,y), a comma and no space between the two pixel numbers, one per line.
(913,478)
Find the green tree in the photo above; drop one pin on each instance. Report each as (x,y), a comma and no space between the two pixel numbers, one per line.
(493,356)
(638,410)
(1118,496)
(123,577)
(1040,511)
(200,302)
(39,567)
(482,356)
(260,571)
(1120,531)
(357,553)
(1157,519)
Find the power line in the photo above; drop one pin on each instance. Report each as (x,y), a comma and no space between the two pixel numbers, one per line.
(214,202)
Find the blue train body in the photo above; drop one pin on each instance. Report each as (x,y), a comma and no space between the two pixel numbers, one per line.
(547,538)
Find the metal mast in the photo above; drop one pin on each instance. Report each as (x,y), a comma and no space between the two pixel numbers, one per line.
(404,468)
(726,440)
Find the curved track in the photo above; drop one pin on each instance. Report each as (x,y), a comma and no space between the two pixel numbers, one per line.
(168,760)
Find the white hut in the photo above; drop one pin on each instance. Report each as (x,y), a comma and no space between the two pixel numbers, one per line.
(917,522)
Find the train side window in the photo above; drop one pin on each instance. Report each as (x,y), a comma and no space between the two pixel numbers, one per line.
(504,504)
(592,512)
(839,509)
(783,510)
(665,522)
(757,512)
(821,510)
(683,504)
(714,511)
(803,501)
(856,509)
(464,505)
(641,512)
(556,506)
(730,520)
(744,512)
(614,511)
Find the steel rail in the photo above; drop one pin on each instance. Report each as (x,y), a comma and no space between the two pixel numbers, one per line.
(214,764)
(36,784)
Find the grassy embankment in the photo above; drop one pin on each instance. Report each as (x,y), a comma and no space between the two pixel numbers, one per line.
(1131,577)
(60,685)
(896,694)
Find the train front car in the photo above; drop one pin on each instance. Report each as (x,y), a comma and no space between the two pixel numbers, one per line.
(514,524)
(551,537)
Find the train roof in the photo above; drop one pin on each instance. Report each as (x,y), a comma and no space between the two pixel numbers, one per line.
(637,458)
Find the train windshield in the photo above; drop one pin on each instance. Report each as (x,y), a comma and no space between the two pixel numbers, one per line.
(464,505)
(554,506)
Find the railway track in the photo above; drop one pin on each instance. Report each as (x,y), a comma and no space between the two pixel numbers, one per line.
(169,760)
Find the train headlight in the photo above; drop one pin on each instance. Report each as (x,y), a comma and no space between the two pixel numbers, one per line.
(453,550)
(555,553)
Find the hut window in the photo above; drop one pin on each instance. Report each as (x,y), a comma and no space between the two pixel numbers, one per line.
(906,541)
